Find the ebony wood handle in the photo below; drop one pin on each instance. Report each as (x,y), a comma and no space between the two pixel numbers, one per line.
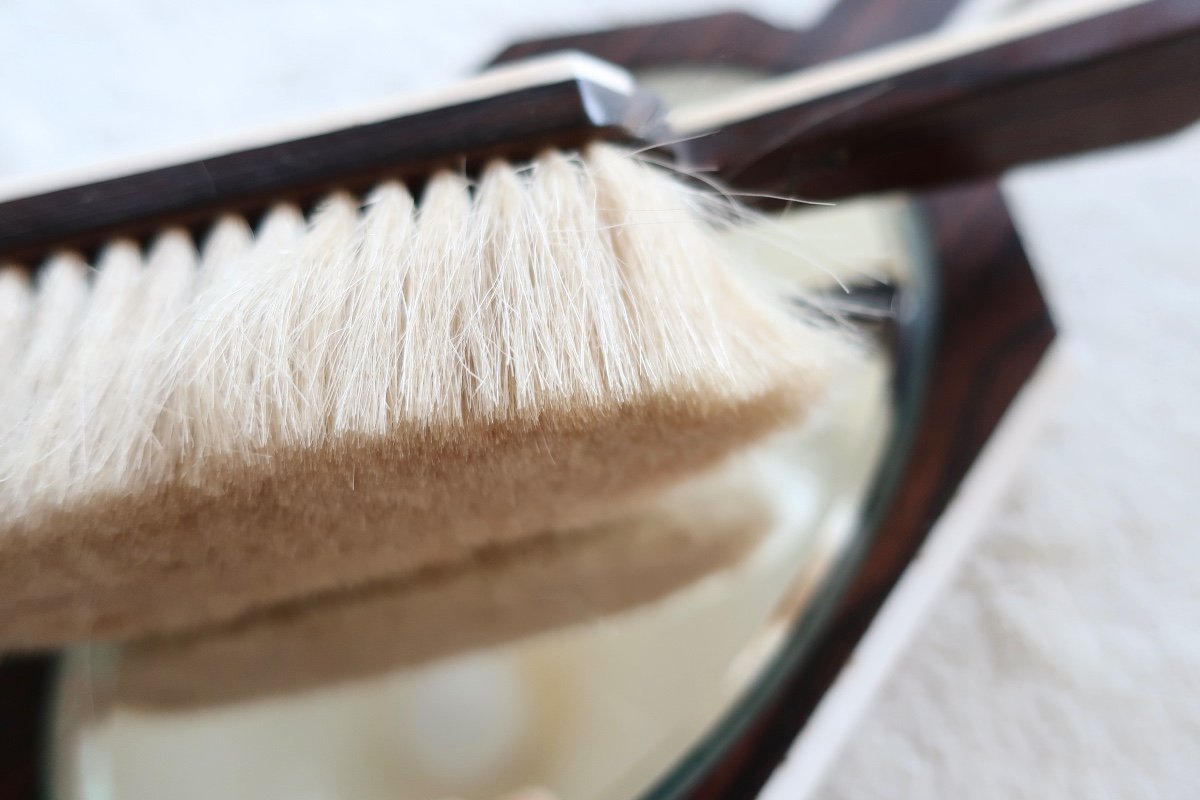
(738,39)
(1123,76)
(559,103)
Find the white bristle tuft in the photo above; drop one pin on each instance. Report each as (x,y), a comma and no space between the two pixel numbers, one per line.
(225,250)
(381,387)
(365,400)
(15,304)
(59,303)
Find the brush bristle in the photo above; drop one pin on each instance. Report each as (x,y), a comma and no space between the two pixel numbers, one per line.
(376,390)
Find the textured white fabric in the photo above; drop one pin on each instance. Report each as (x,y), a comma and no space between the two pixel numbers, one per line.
(1066,660)
(1065,663)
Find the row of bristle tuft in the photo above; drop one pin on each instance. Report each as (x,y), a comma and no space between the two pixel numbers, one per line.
(572,284)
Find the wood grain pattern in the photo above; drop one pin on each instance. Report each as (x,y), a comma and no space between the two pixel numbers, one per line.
(1120,77)
(732,38)
(741,40)
(462,136)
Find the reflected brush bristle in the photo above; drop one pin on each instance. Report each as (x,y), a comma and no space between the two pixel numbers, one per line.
(547,582)
(369,392)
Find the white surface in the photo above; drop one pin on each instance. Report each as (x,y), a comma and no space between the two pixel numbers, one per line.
(924,581)
(1065,663)
(1066,660)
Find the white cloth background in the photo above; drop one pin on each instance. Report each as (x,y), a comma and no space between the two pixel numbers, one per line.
(1065,661)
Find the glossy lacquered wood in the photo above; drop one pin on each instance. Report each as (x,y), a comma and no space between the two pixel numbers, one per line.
(463,135)
(1122,76)
(741,40)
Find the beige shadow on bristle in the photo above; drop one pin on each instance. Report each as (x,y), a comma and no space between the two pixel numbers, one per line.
(374,392)
(542,583)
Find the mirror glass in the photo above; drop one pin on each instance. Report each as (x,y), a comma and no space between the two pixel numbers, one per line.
(584,664)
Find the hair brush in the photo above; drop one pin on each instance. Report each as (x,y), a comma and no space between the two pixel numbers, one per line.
(375,387)
(445,326)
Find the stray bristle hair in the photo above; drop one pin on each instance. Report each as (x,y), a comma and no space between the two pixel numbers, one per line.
(370,391)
